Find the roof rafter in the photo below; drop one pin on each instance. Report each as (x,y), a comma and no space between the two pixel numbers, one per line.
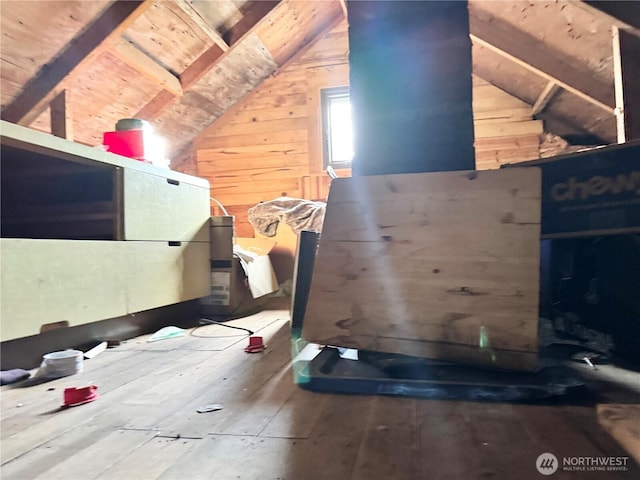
(544,98)
(253,12)
(145,65)
(522,49)
(202,24)
(208,60)
(53,78)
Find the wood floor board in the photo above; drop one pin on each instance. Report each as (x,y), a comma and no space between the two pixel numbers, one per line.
(219,337)
(571,431)
(447,450)
(46,401)
(150,460)
(492,427)
(333,444)
(229,336)
(19,399)
(167,363)
(389,447)
(298,416)
(250,416)
(623,423)
(231,457)
(271,428)
(97,457)
(548,428)
(233,383)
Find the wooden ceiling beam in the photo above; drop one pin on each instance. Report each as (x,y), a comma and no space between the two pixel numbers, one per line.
(53,78)
(253,12)
(146,66)
(61,118)
(531,54)
(202,24)
(626,67)
(544,98)
(209,59)
(343,6)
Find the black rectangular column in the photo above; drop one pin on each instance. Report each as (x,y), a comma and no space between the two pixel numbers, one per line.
(410,64)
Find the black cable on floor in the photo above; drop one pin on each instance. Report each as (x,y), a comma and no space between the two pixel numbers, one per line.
(209,321)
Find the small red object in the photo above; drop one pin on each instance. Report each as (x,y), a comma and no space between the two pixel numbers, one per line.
(76,396)
(128,143)
(256,344)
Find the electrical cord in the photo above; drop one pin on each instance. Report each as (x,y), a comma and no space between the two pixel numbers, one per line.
(224,210)
(205,320)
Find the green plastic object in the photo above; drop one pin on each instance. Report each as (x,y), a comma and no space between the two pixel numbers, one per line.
(165,333)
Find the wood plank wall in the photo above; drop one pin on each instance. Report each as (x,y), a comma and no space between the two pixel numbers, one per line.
(269,144)
(504,129)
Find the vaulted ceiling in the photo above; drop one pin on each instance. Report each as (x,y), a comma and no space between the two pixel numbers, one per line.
(183,63)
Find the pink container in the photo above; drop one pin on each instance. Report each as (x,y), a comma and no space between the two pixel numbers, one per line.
(128,143)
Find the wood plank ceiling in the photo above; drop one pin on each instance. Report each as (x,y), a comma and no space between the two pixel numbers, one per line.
(183,63)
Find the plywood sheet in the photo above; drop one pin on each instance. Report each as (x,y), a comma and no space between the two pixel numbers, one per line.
(439,265)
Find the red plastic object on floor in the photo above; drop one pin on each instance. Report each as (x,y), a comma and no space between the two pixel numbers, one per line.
(77,396)
(256,344)
(128,143)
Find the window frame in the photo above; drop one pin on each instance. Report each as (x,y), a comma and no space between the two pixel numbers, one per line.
(327,95)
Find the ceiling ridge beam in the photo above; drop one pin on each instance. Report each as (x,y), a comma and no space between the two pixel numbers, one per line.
(79,53)
(202,24)
(517,47)
(203,64)
(145,65)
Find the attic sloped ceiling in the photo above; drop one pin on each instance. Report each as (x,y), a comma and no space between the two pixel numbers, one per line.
(183,63)
(179,64)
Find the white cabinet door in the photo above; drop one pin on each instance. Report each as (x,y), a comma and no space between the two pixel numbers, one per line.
(160,208)
(45,281)
(162,274)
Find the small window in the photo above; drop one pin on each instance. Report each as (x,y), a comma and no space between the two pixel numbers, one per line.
(337,129)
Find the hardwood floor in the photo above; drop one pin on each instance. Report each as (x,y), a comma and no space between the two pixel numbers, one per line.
(145,424)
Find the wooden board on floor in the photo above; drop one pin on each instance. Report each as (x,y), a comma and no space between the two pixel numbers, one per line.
(623,423)
(439,265)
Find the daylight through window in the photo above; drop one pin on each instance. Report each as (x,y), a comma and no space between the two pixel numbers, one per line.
(337,127)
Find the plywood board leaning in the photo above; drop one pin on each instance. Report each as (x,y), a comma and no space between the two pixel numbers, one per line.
(439,265)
